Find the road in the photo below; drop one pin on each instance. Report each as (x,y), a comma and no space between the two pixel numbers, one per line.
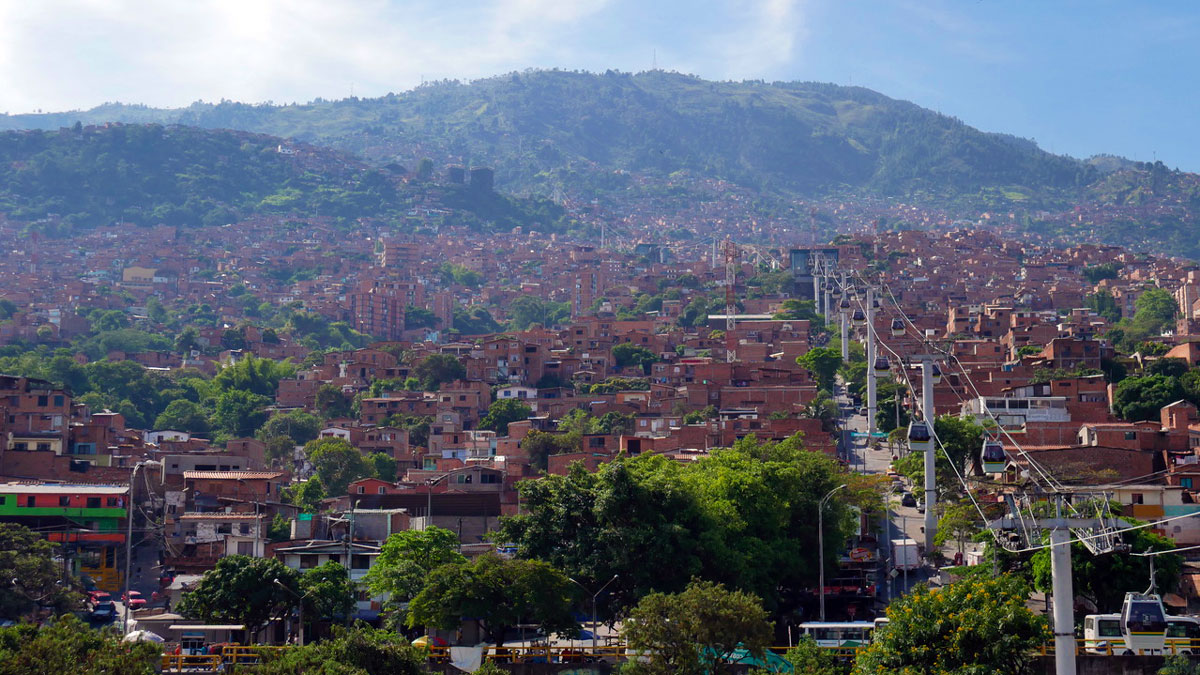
(903,522)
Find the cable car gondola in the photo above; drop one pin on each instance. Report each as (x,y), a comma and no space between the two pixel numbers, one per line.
(882,366)
(859,318)
(1143,623)
(994,459)
(937,374)
(844,304)
(919,437)
(897,328)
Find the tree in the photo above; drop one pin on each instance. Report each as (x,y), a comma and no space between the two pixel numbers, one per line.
(297,425)
(253,375)
(407,558)
(383,466)
(307,494)
(242,590)
(497,593)
(328,592)
(331,403)
(437,369)
(503,411)
(799,310)
(891,414)
(336,464)
(28,575)
(67,645)
(1141,398)
(540,446)
(808,658)
(280,529)
(1103,303)
(1168,367)
(696,631)
(1179,664)
(419,317)
(183,415)
(1190,383)
(823,363)
(975,625)
(360,650)
(628,354)
(239,413)
(961,438)
(959,523)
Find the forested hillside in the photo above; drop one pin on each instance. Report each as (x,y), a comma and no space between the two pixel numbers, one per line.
(150,174)
(546,129)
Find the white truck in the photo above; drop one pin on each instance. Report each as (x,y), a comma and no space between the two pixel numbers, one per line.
(905,555)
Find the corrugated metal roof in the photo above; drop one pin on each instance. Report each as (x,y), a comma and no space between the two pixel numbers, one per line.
(219,516)
(232,475)
(61,488)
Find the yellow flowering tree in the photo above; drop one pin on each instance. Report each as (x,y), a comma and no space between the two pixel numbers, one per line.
(973,626)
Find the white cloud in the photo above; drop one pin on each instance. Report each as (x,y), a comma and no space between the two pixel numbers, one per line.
(766,38)
(59,54)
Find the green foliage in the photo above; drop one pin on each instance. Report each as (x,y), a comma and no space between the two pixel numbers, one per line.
(306,494)
(242,590)
(1104,304)
(628,354)
(1141,398)
(1168,367)
(539,446)
(336,464)
(700,416)
(502,412)
(697,630)
(253,375)
(1104,579)
(1180,664)
(419,317)
(30,577)
(793,309)
(1097,273)
(438,369)
(891,413)
(457,274)
(183,415)
(383,466)
(807,658)
(297,425)
(67,645)
(961,438)
(958,524)
(823,362)
(331,402)
(239,413)
(279,529)
(474,320)
(528,310)
(407,558)
(745,516)
(328,592)
(970,627)
(497,593)
(614,384)
(360,650)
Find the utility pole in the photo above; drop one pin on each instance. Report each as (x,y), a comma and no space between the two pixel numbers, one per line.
(731,256)
(845,332)
(927,410)
(871,356)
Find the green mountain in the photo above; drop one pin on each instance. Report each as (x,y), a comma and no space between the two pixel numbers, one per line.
(628,136)
(544,130)
(80,177)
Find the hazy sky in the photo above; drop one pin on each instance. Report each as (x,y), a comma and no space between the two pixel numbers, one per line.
(1079,77)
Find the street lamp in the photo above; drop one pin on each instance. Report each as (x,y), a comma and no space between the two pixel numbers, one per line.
(129,539)
(821,542)
(594,596)
(429,483)
(300,631)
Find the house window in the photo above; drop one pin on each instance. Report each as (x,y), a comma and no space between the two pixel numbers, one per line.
(58,401)
(361,489)
(93,502)
(1185,482)
(43,446)
(245,548)
(225,528)
(29,502)
(307,562)
(64,501)
(43,401)
(1130,435)
(359,562)
(381,489)
(1137,498)
(112,501)
(244,529)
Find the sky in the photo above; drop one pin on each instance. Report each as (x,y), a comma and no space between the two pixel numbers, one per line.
(1080,78)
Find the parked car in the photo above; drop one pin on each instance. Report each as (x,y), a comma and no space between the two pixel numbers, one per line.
(908,500)
(135,600)
(920,506)
(97,597)
(105,611)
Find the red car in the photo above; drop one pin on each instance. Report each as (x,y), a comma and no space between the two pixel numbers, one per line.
(99,597)
(134,600)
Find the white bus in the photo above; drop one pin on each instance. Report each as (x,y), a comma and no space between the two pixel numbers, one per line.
(840,634)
